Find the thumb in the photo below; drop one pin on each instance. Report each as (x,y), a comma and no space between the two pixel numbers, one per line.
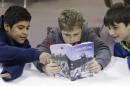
(51,61)
(5,75)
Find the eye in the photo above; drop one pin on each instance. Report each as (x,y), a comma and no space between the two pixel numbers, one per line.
(76,34)
(27,28)
(20,28)
(115,27)
(67,34)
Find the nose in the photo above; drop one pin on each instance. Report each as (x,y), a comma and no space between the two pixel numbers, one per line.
(111,32)
(25,31)
(72,38)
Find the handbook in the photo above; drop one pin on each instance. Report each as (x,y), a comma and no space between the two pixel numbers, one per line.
(73,60)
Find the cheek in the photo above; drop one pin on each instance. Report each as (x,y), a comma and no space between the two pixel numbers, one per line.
(122,33)
(65,38)
(78,38)
(15,35)
(125,34)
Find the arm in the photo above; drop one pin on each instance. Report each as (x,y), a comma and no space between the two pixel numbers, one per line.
(11,72)
(19,55)
(45,48)
(102,52)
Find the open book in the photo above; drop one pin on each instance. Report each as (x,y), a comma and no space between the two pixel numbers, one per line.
(73,59)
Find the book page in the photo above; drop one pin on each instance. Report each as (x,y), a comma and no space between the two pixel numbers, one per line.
(80,55)
(59,49)
(85,49)
(59,56)
(72,59)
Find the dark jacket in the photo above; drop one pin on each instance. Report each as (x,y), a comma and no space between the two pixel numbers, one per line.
(120,51)
(102,52)
(13,56)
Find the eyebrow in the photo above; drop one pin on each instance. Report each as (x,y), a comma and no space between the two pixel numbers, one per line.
(71,33)
(23,26)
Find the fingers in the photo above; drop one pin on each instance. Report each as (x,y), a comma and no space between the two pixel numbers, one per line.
(6,75)
(52,68)
(94,67)
(50,61)
(45,58)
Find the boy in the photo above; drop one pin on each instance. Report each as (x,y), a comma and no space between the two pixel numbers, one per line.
(73,31)
(117,19)
(15,49)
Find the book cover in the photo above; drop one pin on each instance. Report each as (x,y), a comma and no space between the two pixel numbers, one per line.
(72,59)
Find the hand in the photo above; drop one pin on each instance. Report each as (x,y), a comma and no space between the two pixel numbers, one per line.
(45,58)
(51,69)
(94,66)
(6,75)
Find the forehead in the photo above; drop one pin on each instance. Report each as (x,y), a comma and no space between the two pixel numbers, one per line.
(22,23)
(117,24)
(73,30)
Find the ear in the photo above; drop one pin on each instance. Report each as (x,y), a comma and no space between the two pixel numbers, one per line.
(6,27)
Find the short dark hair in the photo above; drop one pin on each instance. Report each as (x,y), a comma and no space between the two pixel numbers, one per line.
(15,14)
(70,18)
(118,13)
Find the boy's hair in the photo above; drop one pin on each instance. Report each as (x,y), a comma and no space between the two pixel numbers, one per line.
(118,13)
(15,14)
(70,18)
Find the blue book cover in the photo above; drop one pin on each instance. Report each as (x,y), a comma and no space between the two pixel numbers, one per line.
(73,59)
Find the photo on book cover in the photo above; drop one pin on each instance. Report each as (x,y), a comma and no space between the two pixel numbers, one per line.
(73,59)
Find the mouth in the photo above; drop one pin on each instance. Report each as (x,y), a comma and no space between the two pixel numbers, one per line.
(75,43)
(23,38)
(115,37)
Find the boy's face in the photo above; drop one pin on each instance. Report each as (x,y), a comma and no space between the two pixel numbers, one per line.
(73,36)
(120,32)
(18,32)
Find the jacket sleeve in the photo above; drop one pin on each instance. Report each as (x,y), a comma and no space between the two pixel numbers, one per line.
(19,55)
(45,45)
(14,70)
(102,51)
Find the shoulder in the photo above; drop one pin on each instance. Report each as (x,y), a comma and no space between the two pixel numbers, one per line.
(26,44)
(88,33)
(119,50)
(1,21)
(118,46)
(86,28)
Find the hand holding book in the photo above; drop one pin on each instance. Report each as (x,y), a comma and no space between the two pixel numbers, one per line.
(48,67)
(93,66)
(51,69)
(45,58)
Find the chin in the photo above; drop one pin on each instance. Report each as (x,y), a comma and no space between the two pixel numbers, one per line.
(118,40)
(21,42)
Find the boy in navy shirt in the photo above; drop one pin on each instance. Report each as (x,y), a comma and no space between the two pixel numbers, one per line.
(15,49)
